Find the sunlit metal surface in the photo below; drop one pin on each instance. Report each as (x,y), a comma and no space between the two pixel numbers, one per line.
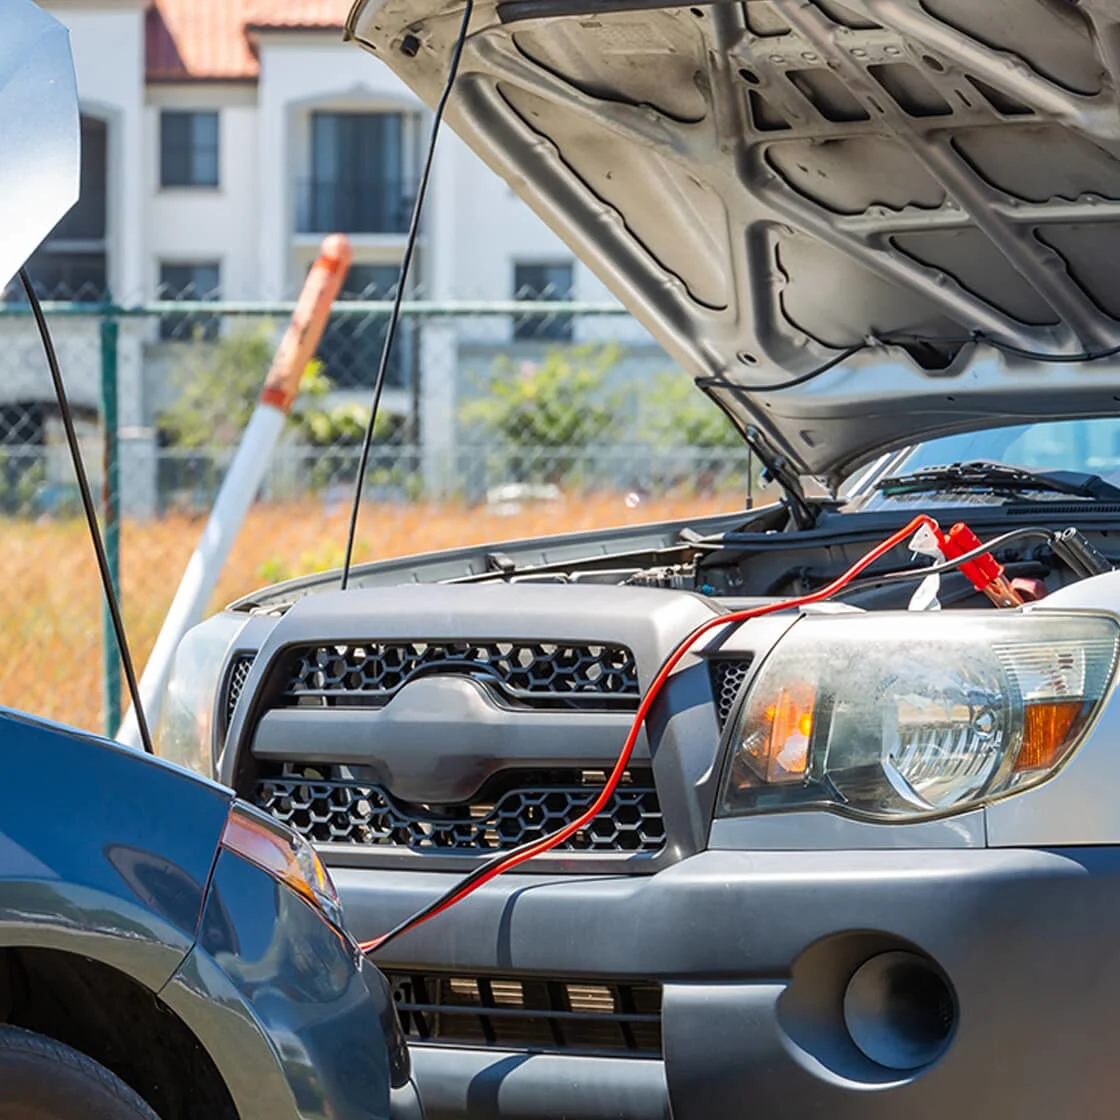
(39,132)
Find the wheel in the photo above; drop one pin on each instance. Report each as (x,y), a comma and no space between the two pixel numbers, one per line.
(41,1079)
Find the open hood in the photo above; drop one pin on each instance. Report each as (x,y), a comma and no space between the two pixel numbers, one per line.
(39,137)
(924,192)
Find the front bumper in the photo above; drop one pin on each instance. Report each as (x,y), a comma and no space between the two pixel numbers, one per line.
(297,1021)
(463,1083)
(754,950)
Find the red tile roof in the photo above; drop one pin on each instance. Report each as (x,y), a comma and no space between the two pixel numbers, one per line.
(200,40)
(296,13)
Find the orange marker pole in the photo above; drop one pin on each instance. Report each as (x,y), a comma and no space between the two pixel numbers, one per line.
(309,319)
(245,475)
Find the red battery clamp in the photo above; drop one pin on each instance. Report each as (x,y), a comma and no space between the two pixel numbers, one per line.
(986,573)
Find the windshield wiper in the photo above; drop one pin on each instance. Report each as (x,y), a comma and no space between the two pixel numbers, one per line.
(982,475)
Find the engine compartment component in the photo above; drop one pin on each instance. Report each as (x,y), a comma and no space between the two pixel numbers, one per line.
(1079,555)
(732,565)
(678,577)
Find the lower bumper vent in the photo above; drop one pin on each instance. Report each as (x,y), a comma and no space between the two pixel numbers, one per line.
(587,1017)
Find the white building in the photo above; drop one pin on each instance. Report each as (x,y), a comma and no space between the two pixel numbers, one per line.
(222,140)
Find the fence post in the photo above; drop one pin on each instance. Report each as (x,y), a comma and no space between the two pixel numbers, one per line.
(110,513)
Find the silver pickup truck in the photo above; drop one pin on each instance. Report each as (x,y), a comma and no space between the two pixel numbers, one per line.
(865,860)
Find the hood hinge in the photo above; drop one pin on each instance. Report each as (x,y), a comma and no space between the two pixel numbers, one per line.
(777,469)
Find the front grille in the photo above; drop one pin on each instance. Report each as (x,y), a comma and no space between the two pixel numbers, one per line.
(238,674)
(532,674)
(728,674)
(524,1013)
(514,808)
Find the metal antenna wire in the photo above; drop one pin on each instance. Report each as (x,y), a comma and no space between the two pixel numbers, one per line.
(90,510)
(394,318)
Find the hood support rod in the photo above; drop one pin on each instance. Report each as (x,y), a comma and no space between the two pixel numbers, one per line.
(777,468)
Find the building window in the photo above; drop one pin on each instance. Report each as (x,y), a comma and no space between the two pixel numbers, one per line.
(351,347)
(358,182)
(188,149)
(189,282)
(23,462)
(68,274)
(550,281)
(72,263)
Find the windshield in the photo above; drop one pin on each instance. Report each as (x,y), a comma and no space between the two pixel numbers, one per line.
(1084,446)
(1087,446)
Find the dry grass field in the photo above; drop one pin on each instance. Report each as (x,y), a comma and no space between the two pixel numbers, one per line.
(50,598)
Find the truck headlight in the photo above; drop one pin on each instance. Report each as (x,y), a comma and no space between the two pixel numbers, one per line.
(899,717)
(185,733)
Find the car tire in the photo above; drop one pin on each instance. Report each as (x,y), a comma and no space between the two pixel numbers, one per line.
(40,1079)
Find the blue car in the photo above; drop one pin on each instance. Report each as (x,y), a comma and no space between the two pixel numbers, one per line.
(168,951)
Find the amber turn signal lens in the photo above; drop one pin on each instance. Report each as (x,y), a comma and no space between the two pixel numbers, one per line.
(781,752)
(286,856)
(1048,728)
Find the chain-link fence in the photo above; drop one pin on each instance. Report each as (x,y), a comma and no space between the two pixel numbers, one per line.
(498,421)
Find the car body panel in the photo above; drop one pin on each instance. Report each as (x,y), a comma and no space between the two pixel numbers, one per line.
(754,950)
(296,1020)
(473,561)
(515,1085)
(774,188)
(128,888)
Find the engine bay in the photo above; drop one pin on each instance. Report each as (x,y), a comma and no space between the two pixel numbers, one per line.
(760,560)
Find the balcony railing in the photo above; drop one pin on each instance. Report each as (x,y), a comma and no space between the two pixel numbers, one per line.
(347,206)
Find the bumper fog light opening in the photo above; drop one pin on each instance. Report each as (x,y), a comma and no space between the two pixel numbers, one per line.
(900,1011)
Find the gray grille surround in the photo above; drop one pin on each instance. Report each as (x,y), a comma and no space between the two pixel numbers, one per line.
(438,752)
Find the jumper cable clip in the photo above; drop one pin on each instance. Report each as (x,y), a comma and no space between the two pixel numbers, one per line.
(985,573)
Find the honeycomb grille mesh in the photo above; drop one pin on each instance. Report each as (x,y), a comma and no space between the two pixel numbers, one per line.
(235,682)
(532,672)
(728,675)
(523,1013)
(333,810)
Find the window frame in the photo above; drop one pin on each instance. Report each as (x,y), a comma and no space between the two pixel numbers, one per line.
(353,339)
(544,327)
(80,241)
(364,186)
(171,327)
(170,178)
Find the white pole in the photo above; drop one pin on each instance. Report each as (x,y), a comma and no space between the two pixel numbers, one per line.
(245,475)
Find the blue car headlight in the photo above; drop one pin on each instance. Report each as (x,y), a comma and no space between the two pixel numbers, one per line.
(284,855)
